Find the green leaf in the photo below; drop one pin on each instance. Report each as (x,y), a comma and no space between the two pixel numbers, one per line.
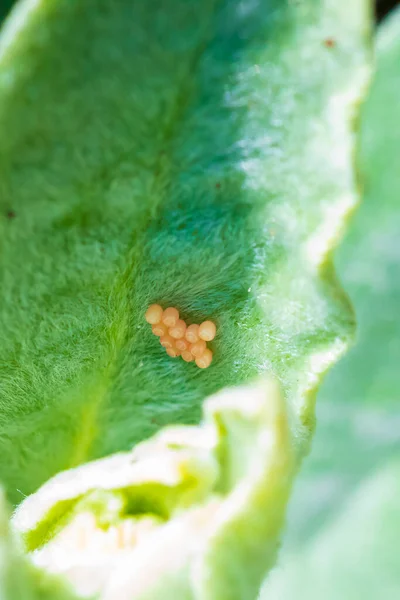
(344,518)
(194,513)
(19,580)
(197,154)
(355,555)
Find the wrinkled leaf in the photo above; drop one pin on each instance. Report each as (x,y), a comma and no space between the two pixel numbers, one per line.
(344,519)
(194,513)
(192,153)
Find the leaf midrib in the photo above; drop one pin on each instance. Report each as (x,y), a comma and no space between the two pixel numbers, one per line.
(121,292)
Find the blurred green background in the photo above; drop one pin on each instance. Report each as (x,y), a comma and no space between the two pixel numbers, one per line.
(344,521)
(5,6)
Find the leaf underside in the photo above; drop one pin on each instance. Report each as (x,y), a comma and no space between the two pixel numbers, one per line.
(197,154)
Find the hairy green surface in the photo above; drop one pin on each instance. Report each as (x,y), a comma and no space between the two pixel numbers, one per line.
(192,153)
(194,513)
(344,522)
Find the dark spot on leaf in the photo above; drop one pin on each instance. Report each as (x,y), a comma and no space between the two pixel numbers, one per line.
(218,186)
(11,214)
(182,226)
(329,42)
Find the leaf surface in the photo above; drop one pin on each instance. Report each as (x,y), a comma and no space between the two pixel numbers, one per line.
(197,154)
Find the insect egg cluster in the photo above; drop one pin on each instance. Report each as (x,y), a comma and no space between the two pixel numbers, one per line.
(179,339)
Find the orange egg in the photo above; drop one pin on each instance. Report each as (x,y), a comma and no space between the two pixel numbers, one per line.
(173,352)
(153,314)
(187,356)
(182,344)
(192,334)
(198,348)
(207,331)
(167,341)
(170,316)
(159,329)
(205,359)
(178,330)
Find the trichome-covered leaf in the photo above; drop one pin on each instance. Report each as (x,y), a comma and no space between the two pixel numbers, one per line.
(197,154)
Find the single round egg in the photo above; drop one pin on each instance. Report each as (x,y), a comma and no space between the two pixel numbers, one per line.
(178,330)
(173,352)
(153,314)
(198,348)
(187,356)
(167,341)
(159,329)
(192,334)
(170,317)
(207,331)
(205,359)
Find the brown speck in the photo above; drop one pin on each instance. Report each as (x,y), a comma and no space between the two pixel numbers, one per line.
(218,186)
(329,42)
(11,214)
